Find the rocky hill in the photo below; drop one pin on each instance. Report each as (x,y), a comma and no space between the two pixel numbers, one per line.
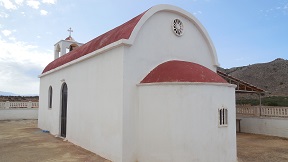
(271,76)
(19,98)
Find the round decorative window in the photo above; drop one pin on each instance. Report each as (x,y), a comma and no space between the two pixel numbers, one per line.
(177,27)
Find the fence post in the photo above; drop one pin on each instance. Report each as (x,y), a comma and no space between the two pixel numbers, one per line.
(257,110)
(29,104)
(7,105)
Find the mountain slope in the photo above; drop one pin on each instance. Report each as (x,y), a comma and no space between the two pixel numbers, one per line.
(7,94)
(271,76)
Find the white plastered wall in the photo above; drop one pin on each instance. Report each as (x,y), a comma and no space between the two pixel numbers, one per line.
(19,114)
(94,111)
(156,43)
(179,122)
(265,125)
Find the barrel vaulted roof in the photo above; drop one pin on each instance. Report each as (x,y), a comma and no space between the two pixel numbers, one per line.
(123,34)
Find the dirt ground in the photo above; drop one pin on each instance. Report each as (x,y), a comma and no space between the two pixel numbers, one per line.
(261,148)
(22,141)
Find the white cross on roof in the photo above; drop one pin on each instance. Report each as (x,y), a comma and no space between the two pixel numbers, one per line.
(70,31)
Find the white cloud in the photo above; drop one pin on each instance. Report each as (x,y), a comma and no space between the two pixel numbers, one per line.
(12,39)
(197,12)
(6,32)
(4,15)
(21,64)
(274,11)
(49,1)
(33,4)
(43,12)
(8,4)
(19,2)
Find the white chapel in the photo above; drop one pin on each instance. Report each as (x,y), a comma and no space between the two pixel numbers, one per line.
(145,91)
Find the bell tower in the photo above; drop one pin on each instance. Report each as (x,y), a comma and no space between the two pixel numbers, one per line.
(64,46)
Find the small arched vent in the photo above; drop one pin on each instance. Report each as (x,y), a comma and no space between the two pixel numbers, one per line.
(177,27)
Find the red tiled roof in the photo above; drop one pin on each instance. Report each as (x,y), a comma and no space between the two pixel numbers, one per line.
(121,32)
(242,86)
(182,71)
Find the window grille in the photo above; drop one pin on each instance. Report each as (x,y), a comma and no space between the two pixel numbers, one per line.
(223,117)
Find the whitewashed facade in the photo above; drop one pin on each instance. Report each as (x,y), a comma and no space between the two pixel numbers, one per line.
(113,112)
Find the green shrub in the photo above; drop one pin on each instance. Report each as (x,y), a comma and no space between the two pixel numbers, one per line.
(272,103)
(266,101)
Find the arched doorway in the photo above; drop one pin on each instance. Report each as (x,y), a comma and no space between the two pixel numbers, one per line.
(64,94)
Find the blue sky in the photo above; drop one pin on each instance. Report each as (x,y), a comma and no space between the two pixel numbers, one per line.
(243,32)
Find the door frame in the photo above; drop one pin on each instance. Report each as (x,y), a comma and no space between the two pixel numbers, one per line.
(63,110)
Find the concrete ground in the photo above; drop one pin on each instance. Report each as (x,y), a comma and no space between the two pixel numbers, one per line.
(23,141)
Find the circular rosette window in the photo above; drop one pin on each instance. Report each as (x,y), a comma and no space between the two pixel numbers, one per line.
(177,27)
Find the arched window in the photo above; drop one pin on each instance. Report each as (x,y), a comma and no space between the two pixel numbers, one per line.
(57,51)
(72,47)
(50,92)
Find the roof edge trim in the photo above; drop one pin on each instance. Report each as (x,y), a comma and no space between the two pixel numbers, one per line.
(165,7)
(121,42)
(187,83)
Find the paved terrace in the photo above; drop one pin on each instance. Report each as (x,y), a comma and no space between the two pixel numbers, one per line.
(23,141)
